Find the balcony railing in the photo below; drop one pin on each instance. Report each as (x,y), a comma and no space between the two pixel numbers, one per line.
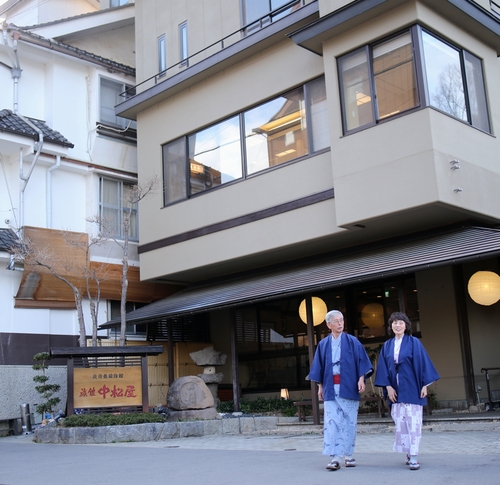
(218,46)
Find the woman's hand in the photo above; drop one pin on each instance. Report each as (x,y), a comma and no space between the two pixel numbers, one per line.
(423,392)
(392,394)
(320,392)
(361,384)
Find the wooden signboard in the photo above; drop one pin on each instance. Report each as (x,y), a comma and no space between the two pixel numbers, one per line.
(107,379)
(107,386)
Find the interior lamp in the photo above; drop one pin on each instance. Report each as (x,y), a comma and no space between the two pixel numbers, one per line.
(372,315)
(484,287)
(319,310)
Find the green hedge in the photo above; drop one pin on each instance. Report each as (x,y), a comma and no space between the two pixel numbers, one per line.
(103,419)
(261,405)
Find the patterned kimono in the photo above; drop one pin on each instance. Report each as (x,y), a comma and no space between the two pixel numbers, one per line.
(344,357)
(404,365)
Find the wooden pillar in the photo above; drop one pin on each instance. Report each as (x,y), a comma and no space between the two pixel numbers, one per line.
(170,349)
(144,380)
(463,326)
(234,361)
(70,406)
(311,348)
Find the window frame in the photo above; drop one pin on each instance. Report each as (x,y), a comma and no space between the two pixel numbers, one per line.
(183,44)
(162,55)
(122,128)
(120,208)
(182,144)
(421,78)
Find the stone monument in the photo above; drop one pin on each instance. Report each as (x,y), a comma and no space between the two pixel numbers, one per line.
(189,398)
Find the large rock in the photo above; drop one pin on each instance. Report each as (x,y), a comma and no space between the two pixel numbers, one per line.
(189,392)
(208,356)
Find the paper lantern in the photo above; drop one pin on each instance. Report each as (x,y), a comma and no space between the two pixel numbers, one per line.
(484,287)
(319,310)
(372,315)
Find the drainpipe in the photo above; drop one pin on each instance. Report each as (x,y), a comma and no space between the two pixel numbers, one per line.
(49,190)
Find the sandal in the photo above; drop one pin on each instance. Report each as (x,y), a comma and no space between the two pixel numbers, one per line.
(350,462)
(407,459)
(333,465)
(414,466)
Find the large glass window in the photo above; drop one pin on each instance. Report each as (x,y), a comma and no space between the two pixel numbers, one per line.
(115,208)
(215,155)
(275,132)
(290,126)
(411,70)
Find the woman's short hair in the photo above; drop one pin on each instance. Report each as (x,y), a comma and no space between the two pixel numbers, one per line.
(404,318)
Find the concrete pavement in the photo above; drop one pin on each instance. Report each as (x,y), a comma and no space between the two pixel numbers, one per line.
(290,455)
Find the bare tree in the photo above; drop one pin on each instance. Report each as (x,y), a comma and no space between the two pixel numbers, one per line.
(108,230)
(69,272)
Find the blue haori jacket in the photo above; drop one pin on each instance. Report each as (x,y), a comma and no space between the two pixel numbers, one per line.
(415,370)
(354,363)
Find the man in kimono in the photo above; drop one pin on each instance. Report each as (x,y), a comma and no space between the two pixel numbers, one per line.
(340,367)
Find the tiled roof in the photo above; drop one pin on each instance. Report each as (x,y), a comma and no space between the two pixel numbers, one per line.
(8,239)
(13,123)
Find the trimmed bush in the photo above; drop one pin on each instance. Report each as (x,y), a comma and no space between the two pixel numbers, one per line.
(103,419)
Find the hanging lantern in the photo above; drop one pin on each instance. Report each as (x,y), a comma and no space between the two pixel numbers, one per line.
(319,310)
(484,287)
(372,315)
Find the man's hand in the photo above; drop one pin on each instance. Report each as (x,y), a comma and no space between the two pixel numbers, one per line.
(320,392)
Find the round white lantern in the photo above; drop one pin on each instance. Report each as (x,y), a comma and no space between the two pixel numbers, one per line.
(484,287)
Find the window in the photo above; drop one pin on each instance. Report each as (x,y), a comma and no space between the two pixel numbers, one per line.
(117,3)
(115,209)
(411,70)
(265,136)
(138,330)
(259,13)
(162,55)
(183,43)
(272,339)
(110,97)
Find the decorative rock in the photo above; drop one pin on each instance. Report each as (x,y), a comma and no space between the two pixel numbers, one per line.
(193,414)
(208,356)
(189,392)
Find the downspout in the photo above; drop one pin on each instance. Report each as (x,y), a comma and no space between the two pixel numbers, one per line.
(49,190)
(16,74)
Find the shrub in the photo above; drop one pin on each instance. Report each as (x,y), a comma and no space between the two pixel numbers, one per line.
(261,405)
(106,419)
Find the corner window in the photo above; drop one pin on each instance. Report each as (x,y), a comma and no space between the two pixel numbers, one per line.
(288,127)
(411,70)
(132,331)
(115,208)
(162,55)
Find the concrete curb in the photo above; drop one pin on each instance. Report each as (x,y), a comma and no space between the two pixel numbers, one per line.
(158,431)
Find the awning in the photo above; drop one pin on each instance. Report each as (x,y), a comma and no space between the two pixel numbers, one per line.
(366,263)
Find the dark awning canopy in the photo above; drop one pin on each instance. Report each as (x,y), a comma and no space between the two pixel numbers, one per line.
(363,264)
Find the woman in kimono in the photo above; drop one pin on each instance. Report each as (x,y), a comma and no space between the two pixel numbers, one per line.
(405,370)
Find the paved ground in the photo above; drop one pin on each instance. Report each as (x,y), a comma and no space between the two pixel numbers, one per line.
(468,454)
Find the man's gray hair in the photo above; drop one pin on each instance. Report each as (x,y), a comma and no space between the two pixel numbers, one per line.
(332,314)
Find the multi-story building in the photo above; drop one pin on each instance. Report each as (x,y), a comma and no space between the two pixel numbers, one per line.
(65,158)
(321,148)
